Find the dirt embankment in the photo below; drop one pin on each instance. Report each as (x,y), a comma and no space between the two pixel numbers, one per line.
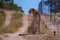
(23,30)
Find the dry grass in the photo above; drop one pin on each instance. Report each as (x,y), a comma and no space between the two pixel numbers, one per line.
(16,23)
(0,38)
(43,29)
(2,17)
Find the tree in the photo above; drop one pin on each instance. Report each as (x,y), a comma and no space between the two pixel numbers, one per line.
(9,5)
(53,7)
(1,3)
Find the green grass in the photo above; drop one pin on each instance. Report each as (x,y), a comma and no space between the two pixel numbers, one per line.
(15,24)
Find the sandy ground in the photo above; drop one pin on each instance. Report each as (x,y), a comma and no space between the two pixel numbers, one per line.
(22,30)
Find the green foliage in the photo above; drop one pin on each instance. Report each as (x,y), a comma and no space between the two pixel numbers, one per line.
(9,5)
(1,5)
(52,3)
